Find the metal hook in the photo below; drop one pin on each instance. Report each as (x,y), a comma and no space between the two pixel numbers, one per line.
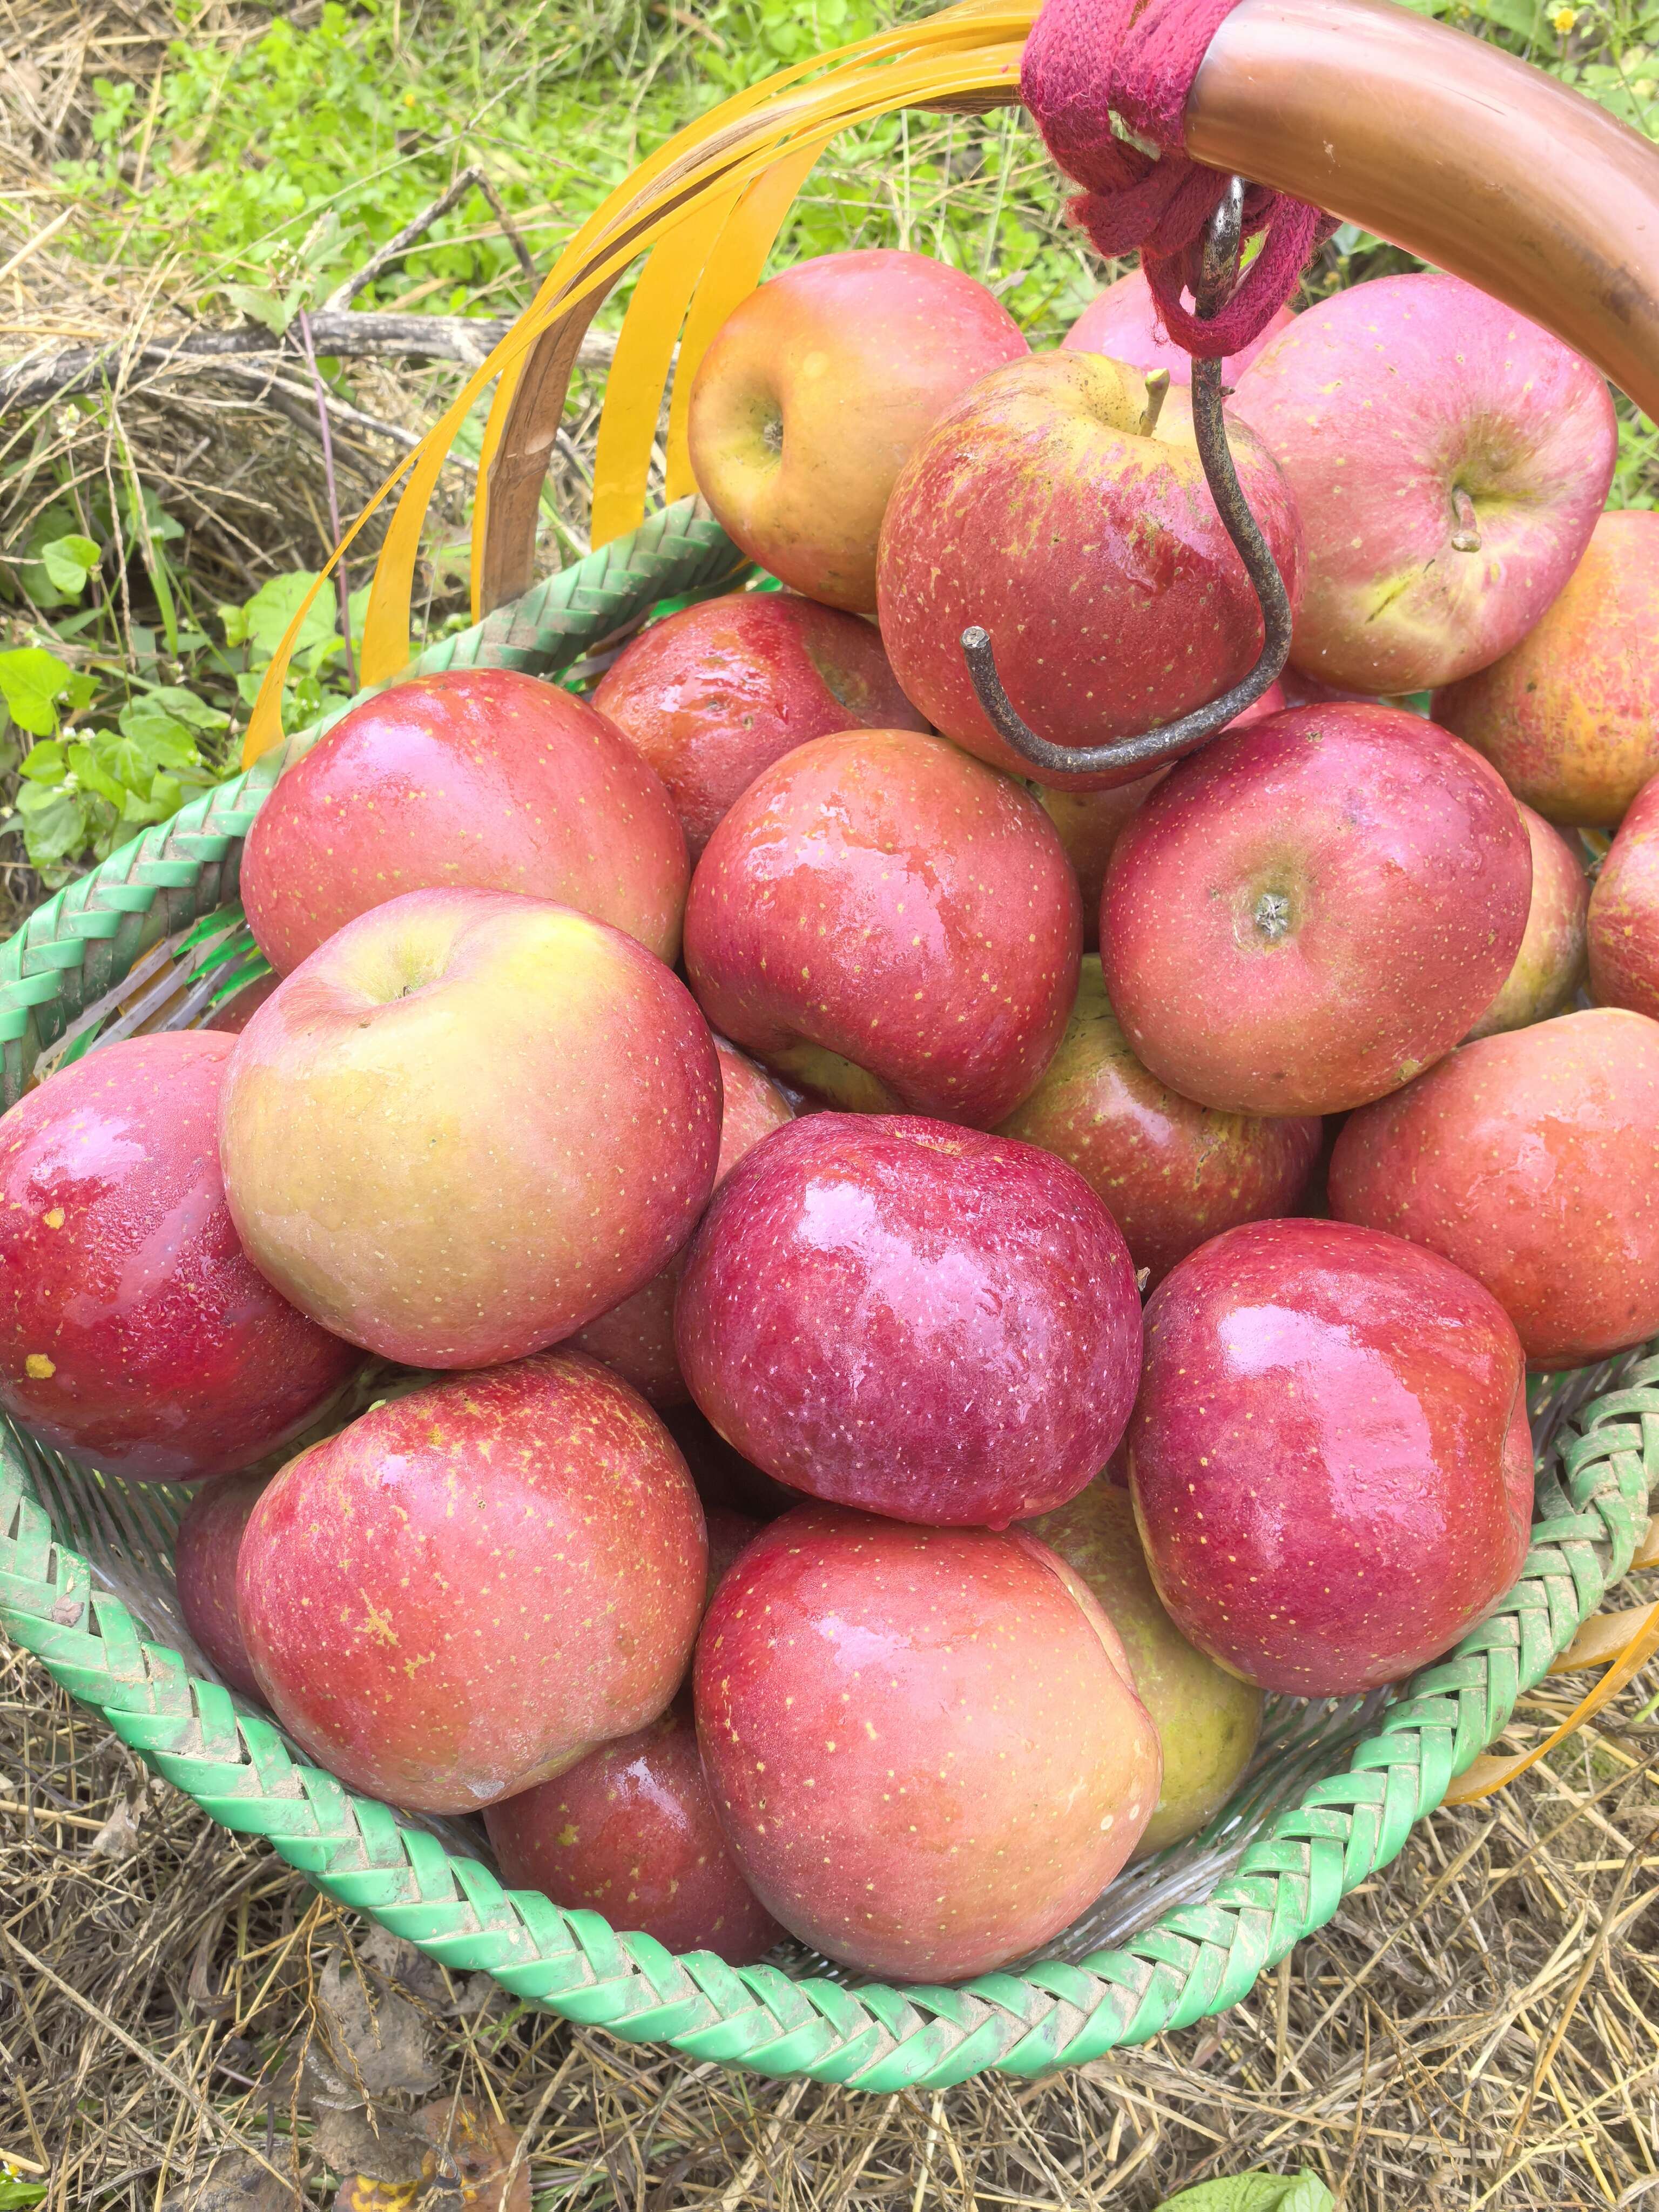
(1217,275)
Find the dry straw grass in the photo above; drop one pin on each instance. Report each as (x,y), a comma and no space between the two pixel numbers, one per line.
(1479,2026)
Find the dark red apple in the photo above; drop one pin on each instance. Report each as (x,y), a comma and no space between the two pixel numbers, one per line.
(204,1571)
(1329,1457)
(1306,914)
(1040,508)
(917,1320)
(135,1332)
(478,779)
(1623,912)
(712,695)
(1531,1159)
(631,1832)
(1171,1173)
(729,1532)
(889,924)
(636,1338)
(724,1478)
(474,1586)
(922,1743)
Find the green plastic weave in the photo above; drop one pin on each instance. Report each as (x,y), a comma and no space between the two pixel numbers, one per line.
(1592,1507)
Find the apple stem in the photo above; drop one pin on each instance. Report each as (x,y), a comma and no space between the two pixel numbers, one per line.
(1466,534)
(1157,391)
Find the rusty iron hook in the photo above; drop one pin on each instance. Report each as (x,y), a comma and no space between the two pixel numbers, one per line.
(1218,276)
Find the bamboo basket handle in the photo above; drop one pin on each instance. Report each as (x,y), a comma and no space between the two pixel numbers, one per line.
(1476,163)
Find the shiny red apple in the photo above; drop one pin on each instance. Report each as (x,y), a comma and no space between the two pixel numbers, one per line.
(475,1585)
(1623,923)
(889,924)
(1306,914)
(204,1572)
(1532,1160)
(922,1743)
(920,1321)
(1330,1458)
(135,1331)
(477,779)
(712,695)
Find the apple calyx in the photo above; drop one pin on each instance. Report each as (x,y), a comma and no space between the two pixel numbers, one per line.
(1271,916)
(1466,528)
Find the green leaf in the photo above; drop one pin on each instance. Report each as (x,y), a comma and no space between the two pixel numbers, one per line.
(44,764)
(266,616)
(69,562)
(17,2195)
(59,826)
(1255,2192)
(179,705)
(256,305)
(32,682)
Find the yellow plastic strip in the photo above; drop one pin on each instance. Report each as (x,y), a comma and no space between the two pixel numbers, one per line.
(1602,1637)
(733,271)
(1647,1552)
(644,354)
(1489,1773)
(944,58)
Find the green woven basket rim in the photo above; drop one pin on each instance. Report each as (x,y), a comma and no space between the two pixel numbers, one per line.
(1195,1960)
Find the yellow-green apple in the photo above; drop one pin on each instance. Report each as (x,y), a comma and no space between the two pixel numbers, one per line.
(1550,965)
(918,1319)
(469,1123)
(888,923)
(636,1338)
(1171,1172)
(480,778)
(1450,459)
(1570,715)
(1304,915)
(923,1744)
(1532,1160)
(712,695)
(1049,506)
(1207,1720)
(135,1331)
(631,1832)
(1330,1458)
(474,1585)
(1623,912)
(814,391)
(1122,323)
(204,1573)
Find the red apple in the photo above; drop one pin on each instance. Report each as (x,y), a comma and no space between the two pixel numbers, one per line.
(631,1832)
(636,1338)
(887,923)
(730,1533)
(1450,459)
(1570,717)
(472,1587)
(1090,823)
(921,1321)
(814,391)
(1304,915)
(1207,1720)
(1171,1173)
(1122,323)
(922,1743)
(1550,965)
(1623,912)
(1532,1160)
(204,1571)
(479,779)
(1329,1457)
(1091,551)
(712,695)
(468,1124)
(724,1478)
(135,1332)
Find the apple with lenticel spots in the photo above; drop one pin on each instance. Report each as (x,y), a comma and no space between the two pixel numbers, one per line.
(890,924)
(474,1585)
(1450,459)
(923,1744)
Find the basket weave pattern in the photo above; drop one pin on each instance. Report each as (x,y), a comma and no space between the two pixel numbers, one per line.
(1592,1506)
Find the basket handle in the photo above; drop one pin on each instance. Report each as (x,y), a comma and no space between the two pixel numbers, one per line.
(1477,162)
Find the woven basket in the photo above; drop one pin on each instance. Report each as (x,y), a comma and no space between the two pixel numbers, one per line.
(154,937)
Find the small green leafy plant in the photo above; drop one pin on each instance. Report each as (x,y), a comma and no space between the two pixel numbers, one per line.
(1255,2192)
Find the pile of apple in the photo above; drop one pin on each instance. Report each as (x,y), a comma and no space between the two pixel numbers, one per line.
(704,1104)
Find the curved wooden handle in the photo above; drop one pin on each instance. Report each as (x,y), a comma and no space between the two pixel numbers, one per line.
(1476,163)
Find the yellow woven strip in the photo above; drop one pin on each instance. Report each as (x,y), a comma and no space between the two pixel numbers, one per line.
(1488,1773)
(645,353)
(955,59)
(733,271)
